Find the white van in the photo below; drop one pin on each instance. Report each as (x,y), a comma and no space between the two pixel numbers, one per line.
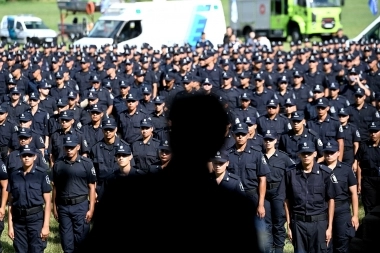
(25,28)
(158,23)
(370,32)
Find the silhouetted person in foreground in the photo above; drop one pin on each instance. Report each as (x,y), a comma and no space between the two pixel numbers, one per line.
(179,208)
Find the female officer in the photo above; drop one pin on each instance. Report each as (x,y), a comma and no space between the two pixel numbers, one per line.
(4,196)
(29,188)
(344,225)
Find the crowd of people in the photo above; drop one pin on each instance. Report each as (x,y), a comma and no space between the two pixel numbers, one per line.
(301,138)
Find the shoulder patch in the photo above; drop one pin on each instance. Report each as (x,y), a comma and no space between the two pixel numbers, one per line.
(263,160)
(333,178)
(231,175)
(319,142)
(241,186)
(340,129)
(93,171)
(47,179)
(79,125)
(3,168)
(357,133)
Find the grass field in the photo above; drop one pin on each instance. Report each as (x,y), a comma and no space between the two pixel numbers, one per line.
(356,16)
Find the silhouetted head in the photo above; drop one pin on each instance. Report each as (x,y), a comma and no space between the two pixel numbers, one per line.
(198,128)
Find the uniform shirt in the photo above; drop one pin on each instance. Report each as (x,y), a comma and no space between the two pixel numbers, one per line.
(119,104)
(83,80)
(351,135)
(145,154)
(169,94)
(103,157)
(71,179)
(249,165)
(301,96)
(337,104)
(7,129)
(40,121)
(283,97)
(56,142)
(277,164)
(92,135)
(257,141)
(28,190)
(104,96)
(280,124)
(14,161)
(230,183)
(37,141)
(315,78)
(241,113)
(147,106)
(159,122)
(259,100)
(308,193)
(214,75)
(58,93)
(3,174)
(330,129)
(129,125)
(15,111)
(49,104)
(368,157)
(346,178)
(362,118)
(289,142)
(231,96)
(373,80)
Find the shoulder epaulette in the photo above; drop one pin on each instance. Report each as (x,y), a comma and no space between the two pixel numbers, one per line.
(325,168)
(86,159)
(231,175)
(256,148)
(313,132)
(291,167)
(40,169)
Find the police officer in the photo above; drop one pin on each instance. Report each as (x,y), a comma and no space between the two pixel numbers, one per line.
(145,148)
(25,137)
(4,196)
(55,150)
(93,131)
(129,120)
(29,190)
(74,179)
(367,164)
(103,153)
(165,155)
(351,135)
(272,120)
(15,106)
(225,180)
(277,162)
(40,116)
(158,117)
(308,190)
(245,109)
(299,134)
(250,165)
(344,225)
(7,128)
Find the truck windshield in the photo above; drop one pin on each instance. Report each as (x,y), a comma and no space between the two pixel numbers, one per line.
(105,29)
(35,25)
(325,3)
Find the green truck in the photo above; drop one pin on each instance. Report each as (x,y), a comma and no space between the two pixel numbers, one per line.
(279,19)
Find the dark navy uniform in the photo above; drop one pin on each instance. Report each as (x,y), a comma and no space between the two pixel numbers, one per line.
(3,177)
(308,195)
(289,142)
(40,121)
(71,183)
(14,161)
(329,129)
(351,135)
(27,208)
(362,118)
(230,183)
(49,104)
(280,124)
(275,215)
(343,230)
(145,154)
(368,157)
(259,100)
(7,129)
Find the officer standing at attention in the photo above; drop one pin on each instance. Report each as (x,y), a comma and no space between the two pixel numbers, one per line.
(7,128)
(165,155)
(4,197)
(344,225)
(103,153)
(309,189)
(145,148)
(226,181)
(367,165)
(250,165)
(29,189)
(277,162)
(74,179)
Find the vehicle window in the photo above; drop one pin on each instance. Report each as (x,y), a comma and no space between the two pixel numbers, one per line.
(374,33)
(105,29)
(131,30)
(18,26)
(35,25)
(276,6)
(302,3)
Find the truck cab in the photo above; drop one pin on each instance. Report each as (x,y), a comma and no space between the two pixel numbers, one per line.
(25,28)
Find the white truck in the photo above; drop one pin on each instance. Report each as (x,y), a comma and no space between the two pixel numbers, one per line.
(25,28)
(157,23)
(372,31)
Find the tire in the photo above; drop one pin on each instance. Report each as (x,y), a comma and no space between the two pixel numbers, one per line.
(295,33)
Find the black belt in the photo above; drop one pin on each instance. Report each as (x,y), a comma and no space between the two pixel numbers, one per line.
(26,212)
(340,203)
(72,201)
(310,218)
(271,186)
(370,173)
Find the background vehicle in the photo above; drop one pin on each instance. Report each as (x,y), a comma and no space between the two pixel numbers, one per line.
(372,31)
(163,22)
(278,19)
(25,28)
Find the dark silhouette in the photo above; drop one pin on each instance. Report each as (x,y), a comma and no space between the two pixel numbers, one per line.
(179,208)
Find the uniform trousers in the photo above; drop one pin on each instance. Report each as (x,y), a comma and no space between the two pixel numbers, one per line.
(27,232)
(343,230)
(73,228)
(370,192)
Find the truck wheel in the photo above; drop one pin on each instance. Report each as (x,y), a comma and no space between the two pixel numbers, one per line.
(295,33)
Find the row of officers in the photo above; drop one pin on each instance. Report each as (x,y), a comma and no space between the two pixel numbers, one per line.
(312,198)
